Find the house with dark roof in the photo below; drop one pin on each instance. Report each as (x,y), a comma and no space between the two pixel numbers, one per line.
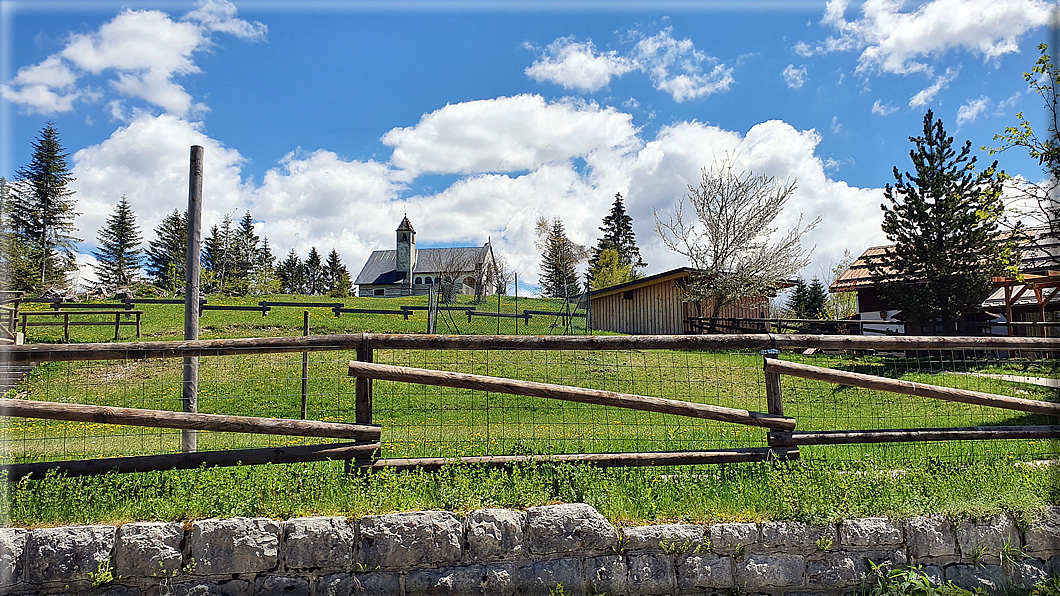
(410,271)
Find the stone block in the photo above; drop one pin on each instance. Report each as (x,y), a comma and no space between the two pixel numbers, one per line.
(730,538)
(770,571)
(279,584)
(541,578)
(650,538)
(572,527)
(784,534)
(869,531)
(1043,537)
(704,571)
(12,545)
(651,574)
(606,575)
(930,538)
(346,584)
(934,574)
(235,587)
(982,541)
(67,554)
(989,578)
(473,579)
(495,534)
(234,545)
(403,540)
(836,570)
(318,543)
(148,549)
(1024,574)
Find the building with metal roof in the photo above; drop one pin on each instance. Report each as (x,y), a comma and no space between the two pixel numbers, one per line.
(407,270)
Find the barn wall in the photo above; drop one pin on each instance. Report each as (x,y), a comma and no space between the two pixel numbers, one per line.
(657,309)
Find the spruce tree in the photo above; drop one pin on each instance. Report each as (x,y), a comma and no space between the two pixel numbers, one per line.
(119,257)
(167,253)
(816,299)
(218,256)
(263,279)
(44,212)
(797,299)
(943,220)
(618,236)
(314,273)
(333,272)
(244,256)
(558,259)
(290,273)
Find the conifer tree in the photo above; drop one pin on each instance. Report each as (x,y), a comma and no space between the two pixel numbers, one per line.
(168,251)
(263,280)
(44,211)
(314,273)
(816,299)
(15,262)
(559,256)
(218,256)
(797,299)
(618,236)
(119,257)
(334,283)
(245,255)
(290,273)
(943,220)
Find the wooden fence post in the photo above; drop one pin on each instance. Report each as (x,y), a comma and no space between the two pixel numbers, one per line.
(363,401)
(774,398)
(305,367)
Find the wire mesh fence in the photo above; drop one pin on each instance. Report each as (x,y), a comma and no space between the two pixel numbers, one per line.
(431,421)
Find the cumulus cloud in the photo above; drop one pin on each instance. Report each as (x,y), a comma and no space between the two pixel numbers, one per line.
(507,134)
(577,65)
(794,77)
(895,41)
(970,111)
(319,199)
(674,66)
(141,51)
(927,94)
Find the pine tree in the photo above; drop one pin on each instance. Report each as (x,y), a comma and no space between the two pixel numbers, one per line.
(618,236)
(559,255)
(263,280)
(944,224)
(119,257)
(244,256)
(166,254)
(15,263)
(291,274)
(797,299)
(43,216)
(816,299)
(314,273)
(218,256)
(334,284)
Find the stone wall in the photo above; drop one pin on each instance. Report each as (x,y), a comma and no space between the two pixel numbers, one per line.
(499,551)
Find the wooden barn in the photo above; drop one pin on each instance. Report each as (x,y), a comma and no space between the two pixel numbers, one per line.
(653,306)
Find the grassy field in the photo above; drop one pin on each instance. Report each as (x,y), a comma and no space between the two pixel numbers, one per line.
(430,421)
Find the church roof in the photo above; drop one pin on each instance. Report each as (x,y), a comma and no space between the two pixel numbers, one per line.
(381,267)
(406,225)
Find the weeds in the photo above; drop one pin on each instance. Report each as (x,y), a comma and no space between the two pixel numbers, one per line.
(686,546)
(910,581)
(823,543)
(103,575)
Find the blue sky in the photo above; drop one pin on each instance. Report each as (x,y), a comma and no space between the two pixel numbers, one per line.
(330,120)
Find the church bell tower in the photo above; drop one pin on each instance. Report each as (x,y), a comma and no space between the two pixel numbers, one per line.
(406,251)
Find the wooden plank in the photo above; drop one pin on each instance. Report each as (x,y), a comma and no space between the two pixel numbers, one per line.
(676,458)
(224,347)
(186,420)
(907,435)
(190,461)
(840,377)
(441,378)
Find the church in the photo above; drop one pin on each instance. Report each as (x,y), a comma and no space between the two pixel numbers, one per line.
(409,271)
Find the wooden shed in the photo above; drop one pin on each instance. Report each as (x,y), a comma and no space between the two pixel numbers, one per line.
(653,306)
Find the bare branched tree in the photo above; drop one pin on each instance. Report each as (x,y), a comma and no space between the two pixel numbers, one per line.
(454,266)
(728,244)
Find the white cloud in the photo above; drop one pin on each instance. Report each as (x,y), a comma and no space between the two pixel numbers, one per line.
(970,111)
(143,50)
(883,109)
(577,65)
(506,134)
(674,66)
(794,77)
(924,96)
(898,42)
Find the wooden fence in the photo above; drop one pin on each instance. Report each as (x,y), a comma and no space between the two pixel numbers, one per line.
(783,438)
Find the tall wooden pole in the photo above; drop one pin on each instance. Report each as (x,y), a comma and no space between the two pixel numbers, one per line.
(191,293)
